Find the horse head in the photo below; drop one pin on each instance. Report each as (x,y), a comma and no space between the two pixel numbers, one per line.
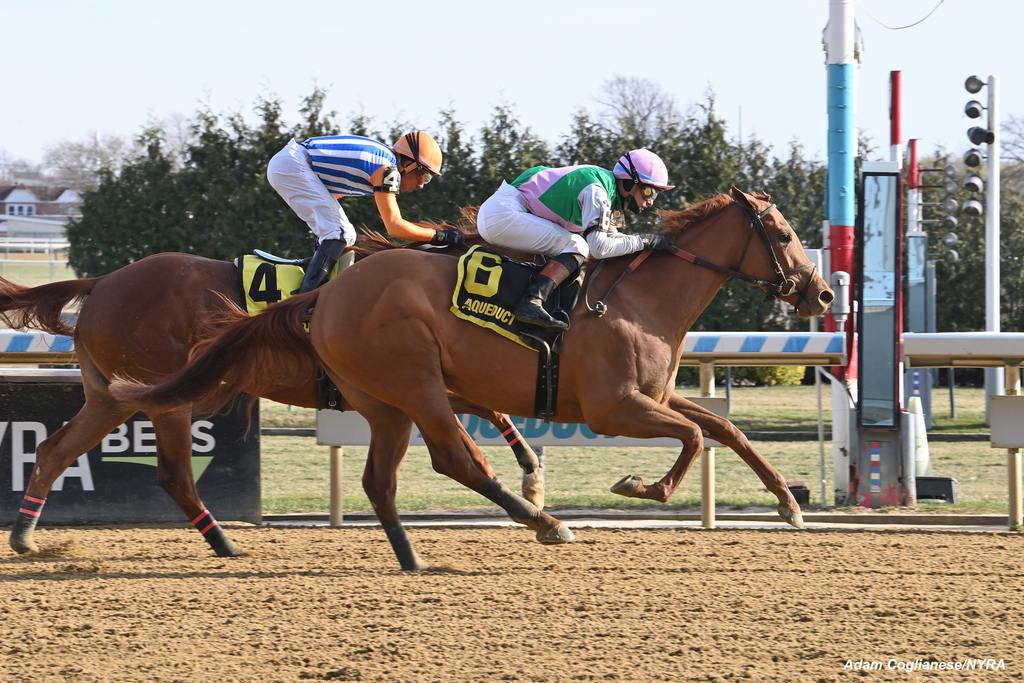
(780,267)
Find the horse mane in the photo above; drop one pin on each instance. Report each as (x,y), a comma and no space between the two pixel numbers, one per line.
(677,221)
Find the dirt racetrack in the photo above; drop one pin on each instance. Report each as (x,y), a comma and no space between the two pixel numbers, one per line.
(617,605)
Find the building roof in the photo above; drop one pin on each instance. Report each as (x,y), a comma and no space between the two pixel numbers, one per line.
(42,193)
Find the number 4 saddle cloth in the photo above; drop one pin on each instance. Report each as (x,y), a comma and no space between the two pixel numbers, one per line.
(266,279)
(488,287)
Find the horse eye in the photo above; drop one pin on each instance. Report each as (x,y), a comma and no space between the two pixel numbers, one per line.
(785,238)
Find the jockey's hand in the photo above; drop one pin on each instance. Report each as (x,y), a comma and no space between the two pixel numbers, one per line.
(449,237)
(657,242)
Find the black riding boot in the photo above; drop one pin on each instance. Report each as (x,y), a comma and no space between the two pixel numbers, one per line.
(530,308)
(320,265)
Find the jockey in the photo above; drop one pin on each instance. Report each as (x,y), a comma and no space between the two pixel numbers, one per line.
(312,176)
(564,213)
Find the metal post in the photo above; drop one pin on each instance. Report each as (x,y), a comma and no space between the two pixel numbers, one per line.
(728,384)
(821,429)
(707,458)
(1016,511)
(336,504)
(951,379)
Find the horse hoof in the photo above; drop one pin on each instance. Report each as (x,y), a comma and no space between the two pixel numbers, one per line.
(533,488)
(630,486)
(23,546)
(556,535)
(793,517)
(416,566)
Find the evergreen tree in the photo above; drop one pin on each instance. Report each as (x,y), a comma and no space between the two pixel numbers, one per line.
(131,215)
(507,149)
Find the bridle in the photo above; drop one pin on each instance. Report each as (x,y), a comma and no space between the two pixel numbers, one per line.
(781,287)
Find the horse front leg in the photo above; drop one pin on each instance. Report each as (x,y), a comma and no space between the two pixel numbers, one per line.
(640,416)
(529,463)
(726,433)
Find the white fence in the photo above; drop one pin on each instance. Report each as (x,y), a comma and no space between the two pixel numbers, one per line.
(55,249)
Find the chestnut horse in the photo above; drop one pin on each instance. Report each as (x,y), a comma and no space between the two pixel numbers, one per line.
(140,321)
(386,336)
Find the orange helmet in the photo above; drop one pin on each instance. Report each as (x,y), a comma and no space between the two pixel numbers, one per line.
(421,148)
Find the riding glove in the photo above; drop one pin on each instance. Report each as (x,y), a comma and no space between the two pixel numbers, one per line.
(449,237)
(657,242)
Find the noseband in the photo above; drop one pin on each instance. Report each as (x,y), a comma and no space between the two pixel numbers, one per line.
(780,288)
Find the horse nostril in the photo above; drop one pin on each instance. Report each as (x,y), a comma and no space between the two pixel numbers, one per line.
(827,297)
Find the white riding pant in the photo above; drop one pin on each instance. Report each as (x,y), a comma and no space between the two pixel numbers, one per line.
(505,221)
(291,175)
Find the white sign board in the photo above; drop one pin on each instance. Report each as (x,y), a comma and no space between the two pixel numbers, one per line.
(1006,414)
(335,428)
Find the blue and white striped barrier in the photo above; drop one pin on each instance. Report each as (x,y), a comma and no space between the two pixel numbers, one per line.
(15,341)
(721,348)
(764,348)
(35,347)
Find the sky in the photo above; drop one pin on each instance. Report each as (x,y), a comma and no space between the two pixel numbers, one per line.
(113,66)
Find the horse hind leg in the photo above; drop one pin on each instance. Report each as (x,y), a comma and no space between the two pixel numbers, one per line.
(95,420)
(457,458)
(529,463)
(453,454)
(174,471)
(726,433)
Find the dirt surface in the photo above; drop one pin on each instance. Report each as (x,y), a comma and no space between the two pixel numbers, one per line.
(617,605)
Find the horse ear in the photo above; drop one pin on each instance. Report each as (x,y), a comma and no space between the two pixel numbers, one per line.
(740,196)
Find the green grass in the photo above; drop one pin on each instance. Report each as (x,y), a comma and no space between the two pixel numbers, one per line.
(295,477)
(32,272)
(295,470)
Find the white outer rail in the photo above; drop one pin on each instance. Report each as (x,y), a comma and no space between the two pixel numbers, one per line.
(979,350)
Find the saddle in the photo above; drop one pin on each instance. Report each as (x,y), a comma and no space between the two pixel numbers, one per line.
(266,279)
(487,289)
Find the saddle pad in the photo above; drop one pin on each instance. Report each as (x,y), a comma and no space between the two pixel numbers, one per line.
(266,282)
(488,287)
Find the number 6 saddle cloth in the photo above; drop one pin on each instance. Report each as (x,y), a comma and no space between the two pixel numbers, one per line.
(488,287)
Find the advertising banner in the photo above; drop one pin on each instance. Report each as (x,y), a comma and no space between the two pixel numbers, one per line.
(117,480)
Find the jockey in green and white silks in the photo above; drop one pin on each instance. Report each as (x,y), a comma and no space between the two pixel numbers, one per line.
(565,214)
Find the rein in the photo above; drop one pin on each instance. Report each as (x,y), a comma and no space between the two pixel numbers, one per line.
(781,287)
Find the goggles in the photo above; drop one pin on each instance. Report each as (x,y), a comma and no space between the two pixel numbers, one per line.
(426,175)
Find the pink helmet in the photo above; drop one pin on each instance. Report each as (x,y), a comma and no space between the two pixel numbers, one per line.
(643,166)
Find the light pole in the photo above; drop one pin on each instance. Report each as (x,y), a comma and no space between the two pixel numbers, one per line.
(988,136)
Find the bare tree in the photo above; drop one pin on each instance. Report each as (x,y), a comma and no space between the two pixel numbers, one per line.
(636,110)
(77,163)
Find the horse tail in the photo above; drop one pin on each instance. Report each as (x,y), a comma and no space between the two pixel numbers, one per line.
(40,307)
(235,353)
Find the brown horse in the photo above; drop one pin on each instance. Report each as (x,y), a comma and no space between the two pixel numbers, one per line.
(386,336)
(140,321)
